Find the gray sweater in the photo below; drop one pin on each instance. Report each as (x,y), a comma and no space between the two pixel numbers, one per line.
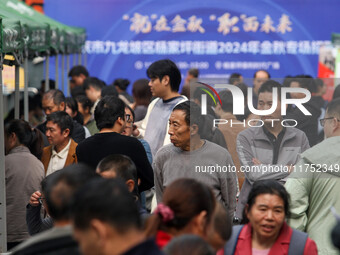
(24,172)
(172,163)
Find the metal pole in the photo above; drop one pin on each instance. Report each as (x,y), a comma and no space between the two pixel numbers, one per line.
(17,93)
(57,71)
(85,59)
(68,69)
(63,72)
(74,60)
(3,227)
(79,58)
(26,90)
(47,73)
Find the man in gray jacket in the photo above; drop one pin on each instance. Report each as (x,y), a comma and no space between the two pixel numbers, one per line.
(189,156)
(268,150)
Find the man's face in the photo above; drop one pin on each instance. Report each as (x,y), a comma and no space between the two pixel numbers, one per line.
(91,94)
(54,134)
(265,102)
(88,241)
(295,84)
(49,106)
(259,79)
(330,125)
(158,87)
(179,130)
(77,80)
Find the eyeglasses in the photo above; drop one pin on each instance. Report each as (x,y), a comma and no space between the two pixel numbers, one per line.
(41,199)
(322,121)
(128,118)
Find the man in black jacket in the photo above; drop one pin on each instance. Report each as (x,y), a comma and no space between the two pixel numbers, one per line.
(54,101)
(111,120)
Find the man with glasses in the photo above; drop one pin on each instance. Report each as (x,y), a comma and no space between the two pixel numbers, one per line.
(111,120)
(314,186)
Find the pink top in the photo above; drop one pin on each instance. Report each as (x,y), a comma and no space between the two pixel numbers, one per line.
(260,252)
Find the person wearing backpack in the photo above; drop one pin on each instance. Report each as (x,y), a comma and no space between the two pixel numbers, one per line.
(267,232)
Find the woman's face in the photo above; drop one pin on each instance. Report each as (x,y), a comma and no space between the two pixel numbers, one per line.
(266,216)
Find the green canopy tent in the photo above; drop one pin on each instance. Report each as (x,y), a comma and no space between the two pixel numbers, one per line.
(24,34)
(63,39)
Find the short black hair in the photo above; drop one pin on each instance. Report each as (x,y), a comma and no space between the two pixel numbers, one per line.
(261,70)
(164,67)
(336,93)
(109,91)
(93,82)
(306,82)
(51,83)
(122,165)
(227,100)
(333,108)
(72,104)
(62,119)
(121,83)
(268,187)
(234,77)
(188,244)
(84,101)
(57,96)
(192,114)
(109,201)
(78,70)
(194,72)
(62,187)
(268,86)
(108,110)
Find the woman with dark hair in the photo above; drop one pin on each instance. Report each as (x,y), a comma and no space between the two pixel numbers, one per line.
(121,86)
(142,96)
(267,232)
(187,208)
(24,172)
(72,110)
(84,106)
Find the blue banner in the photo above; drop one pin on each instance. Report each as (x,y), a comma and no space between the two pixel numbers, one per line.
(218,37)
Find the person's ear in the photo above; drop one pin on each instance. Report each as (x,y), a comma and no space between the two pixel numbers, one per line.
(12,139)
(193,129)
(66,132)
(121,121)
(336,124)
(166,80)
(130,185)
(246,210)
(200,223)
(99,230)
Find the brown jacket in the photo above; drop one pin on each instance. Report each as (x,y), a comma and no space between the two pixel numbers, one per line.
(71,156)
(230,135)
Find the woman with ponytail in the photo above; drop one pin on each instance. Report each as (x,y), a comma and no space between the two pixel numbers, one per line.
(187,208)
(24,172)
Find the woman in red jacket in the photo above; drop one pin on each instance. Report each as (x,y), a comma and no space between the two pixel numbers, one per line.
(267,233)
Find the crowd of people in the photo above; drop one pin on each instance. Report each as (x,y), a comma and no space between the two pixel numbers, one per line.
(105,172)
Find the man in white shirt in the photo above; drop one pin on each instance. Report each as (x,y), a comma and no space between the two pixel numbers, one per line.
(93,89)
(62,149)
